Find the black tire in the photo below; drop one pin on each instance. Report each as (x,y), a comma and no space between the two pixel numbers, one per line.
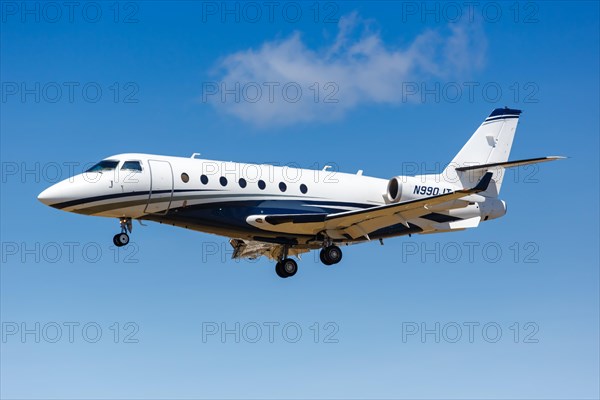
(122,239)
(279,271)
(323,257)
(289,267)
(332,254)
(115,240)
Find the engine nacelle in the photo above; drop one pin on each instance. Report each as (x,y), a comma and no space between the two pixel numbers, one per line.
(404,188)
(394,190)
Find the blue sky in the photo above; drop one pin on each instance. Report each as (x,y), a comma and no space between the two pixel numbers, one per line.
(409,83)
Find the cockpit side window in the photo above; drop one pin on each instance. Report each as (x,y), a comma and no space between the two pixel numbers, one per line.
(132,166)
(104,165)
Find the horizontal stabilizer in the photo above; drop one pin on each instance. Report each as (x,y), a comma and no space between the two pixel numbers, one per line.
(510,164)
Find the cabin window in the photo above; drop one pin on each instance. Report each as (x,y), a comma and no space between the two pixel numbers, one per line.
(223,181)
(261,185)
(132,166)
(204,179)
(185,177)
(303,188)
(282,186)
(242,183)
(104,165)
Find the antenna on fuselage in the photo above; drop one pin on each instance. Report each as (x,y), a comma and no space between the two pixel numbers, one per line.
(194,155)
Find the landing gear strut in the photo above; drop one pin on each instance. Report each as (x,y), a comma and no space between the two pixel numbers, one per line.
(121,239)
(286,267)
(330,255)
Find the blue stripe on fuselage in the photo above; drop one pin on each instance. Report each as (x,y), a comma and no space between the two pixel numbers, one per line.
(230,217)
(234,213)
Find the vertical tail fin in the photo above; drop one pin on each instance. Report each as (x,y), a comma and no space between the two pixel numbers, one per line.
(491,143)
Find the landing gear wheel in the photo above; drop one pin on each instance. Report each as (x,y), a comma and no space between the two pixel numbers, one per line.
(289,267)
(322,257)
(286,268)
(279,270)
(330,255)
(121,239)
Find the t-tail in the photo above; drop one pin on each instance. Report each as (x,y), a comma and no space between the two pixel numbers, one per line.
(488,150)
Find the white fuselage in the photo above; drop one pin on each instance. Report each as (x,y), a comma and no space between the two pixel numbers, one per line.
(217,196)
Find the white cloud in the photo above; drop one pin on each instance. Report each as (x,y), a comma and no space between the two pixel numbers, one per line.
(356,68)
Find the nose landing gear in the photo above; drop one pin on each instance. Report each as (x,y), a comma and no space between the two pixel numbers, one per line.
(121,239)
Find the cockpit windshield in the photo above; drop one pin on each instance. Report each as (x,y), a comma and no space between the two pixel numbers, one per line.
(104,165)
(132,166)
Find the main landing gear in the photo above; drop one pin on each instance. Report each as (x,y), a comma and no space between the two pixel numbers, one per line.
(331,255)
(287,267)
(121,239)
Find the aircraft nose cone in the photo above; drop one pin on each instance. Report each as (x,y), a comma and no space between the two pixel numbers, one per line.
(49,196)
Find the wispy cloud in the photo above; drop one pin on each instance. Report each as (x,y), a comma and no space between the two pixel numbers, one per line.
(261,86)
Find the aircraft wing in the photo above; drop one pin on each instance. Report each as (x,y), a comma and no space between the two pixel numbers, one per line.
(359,223)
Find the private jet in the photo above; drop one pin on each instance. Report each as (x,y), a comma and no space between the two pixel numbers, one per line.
(282,212)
